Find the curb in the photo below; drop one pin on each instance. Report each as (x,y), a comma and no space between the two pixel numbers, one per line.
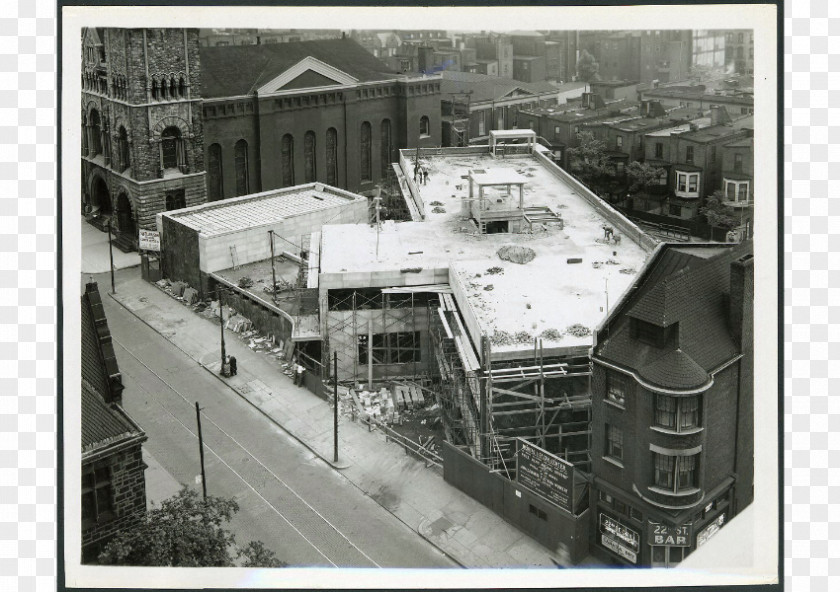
(293,435)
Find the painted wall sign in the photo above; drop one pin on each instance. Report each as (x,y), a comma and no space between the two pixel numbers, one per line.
(627,536)
(675,536)
(545,474)
(616,548)
(149,240)
(710,530)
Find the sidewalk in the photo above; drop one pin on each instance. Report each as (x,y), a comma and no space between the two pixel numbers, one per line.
(95,256)
(465,530)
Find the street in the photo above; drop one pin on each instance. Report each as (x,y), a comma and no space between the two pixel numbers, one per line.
(300,507)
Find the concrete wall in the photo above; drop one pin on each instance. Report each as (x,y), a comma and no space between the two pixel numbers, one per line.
(180,252)
(253,244)
(467,314)
(612,216)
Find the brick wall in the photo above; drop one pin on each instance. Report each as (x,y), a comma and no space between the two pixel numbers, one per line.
(128,490)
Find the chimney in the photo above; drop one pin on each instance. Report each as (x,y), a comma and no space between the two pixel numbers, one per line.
(741,294)
(104,371)
(719,115)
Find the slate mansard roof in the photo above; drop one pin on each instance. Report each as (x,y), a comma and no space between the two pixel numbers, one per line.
(240,70)
(686,285)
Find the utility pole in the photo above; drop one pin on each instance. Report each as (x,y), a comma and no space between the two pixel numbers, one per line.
(111,253)
(376,201)
(607,294)
(335,407)
(222,328)
(273,276)
(201,451)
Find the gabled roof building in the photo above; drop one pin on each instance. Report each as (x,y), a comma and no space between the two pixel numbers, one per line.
(327,111)
(113,483)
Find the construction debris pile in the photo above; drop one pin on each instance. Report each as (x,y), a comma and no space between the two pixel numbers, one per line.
(235,322)
(401,409)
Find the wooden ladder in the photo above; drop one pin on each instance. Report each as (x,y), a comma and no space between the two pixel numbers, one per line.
(234,257)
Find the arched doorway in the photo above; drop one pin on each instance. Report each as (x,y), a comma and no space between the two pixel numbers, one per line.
(125,217)
(101,197)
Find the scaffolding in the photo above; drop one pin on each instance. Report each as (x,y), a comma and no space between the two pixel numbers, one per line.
(486,405)
(378,333)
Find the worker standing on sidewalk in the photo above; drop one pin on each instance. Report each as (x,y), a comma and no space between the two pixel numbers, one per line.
(232,366)
(299,370)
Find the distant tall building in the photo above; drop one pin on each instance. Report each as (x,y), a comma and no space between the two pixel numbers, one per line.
(708,48)
(740,47)
(142,132)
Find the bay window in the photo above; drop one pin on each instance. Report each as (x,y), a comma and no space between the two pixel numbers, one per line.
(677,414)
(687,184)
(676,474)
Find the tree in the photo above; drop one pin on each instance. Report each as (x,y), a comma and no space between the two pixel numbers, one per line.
(717,213)
(587,67)
(589,161)
(186,531)
(643,175)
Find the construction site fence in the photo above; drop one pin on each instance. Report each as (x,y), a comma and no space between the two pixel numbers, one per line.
(558,530)
(613,216)
(410,446)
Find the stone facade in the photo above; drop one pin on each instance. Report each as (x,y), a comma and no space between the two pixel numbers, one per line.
(142,133)
(128,499)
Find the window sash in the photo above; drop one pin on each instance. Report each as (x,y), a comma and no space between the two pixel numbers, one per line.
(675,473)
(666,411)
(615,442)
(616,389)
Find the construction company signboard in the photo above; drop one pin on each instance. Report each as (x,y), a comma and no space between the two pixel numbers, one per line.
(620,539)
(545,474)
(711,530)
(149,240)
(674,536)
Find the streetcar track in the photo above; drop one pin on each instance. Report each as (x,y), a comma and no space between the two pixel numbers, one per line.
(242,478)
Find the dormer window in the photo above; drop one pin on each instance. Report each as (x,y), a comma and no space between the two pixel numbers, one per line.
(648,333)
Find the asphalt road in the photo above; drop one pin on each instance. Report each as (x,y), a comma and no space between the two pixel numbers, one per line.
(299,506)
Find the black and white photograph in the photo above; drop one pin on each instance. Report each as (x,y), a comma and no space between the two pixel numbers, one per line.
(420,297)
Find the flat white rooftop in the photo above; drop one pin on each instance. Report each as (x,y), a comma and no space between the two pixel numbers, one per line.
(257,209)
(543,297)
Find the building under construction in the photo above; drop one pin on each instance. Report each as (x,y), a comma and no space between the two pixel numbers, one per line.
(488,296)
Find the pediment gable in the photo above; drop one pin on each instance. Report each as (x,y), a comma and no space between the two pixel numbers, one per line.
(307,73)
(518,92)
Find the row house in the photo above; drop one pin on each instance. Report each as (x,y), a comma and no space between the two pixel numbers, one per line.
(672,406)
(558,127)
(473,104)
(694,160)
(736,101)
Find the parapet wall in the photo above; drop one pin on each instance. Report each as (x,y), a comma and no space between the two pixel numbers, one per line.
(610,214)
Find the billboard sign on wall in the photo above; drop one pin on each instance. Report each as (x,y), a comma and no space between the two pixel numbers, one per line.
(545,474)
(149,240)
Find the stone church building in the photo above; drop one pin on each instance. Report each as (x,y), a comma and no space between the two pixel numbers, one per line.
(142,136)
(168,124)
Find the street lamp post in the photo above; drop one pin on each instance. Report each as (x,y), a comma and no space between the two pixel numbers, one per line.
(111,254)
(222,328)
